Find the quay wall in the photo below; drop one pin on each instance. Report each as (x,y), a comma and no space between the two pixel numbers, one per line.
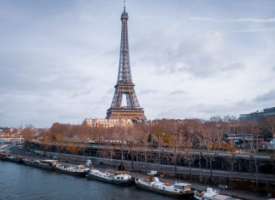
(243,171)
(243,162)
(233,180)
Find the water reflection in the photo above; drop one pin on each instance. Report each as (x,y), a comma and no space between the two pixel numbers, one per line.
(23,182)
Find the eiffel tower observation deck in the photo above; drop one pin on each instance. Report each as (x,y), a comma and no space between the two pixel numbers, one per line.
(124,88)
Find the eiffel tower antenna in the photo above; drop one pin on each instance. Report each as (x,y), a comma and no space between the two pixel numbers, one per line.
(125,86)
(124,5)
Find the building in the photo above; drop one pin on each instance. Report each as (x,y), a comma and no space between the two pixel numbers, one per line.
(245,140)
(5,129)
(108,123)
(256,116)
(124,88)
(272,144)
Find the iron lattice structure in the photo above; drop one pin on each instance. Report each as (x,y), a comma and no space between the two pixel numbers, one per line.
(125,85)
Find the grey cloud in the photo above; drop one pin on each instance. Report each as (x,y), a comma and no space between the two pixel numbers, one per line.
(58,61)
(177,92)
(111,90)
(190,58)
(204,111)
(253,30)
(148,91)
(225,109)
(234,20)
(42,110)
(233,66)
(267,97)
(39,75)
(187,57)
(83,92)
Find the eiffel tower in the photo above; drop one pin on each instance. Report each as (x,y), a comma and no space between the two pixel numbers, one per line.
(125,86)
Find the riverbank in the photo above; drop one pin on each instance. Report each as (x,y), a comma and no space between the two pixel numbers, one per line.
(140,168)
(243,170)
(101,164)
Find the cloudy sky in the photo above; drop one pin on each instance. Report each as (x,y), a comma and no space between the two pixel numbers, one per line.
(189,59)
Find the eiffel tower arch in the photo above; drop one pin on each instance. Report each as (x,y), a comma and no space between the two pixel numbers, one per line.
(125,85)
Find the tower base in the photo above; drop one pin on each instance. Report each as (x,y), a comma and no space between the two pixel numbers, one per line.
(135,114)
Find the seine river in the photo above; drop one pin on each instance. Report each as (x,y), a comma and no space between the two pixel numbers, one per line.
(23,182)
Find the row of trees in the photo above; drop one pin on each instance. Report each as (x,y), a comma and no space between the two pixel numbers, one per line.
(181,137)
(184,134)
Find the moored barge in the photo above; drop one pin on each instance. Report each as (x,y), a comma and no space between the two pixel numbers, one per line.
(75,170)
(117,178)
(177,190)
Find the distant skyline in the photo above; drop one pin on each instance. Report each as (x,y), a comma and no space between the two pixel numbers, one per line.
(189,59)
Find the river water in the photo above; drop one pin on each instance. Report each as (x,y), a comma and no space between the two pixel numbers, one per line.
(23,182)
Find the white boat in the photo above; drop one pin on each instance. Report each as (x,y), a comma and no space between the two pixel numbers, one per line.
(174,190)
(152,173)
(75,170)
(118,178)
(211,194)
(27,161)
(45,164)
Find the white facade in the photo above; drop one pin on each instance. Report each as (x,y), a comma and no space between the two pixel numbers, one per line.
(108,123)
